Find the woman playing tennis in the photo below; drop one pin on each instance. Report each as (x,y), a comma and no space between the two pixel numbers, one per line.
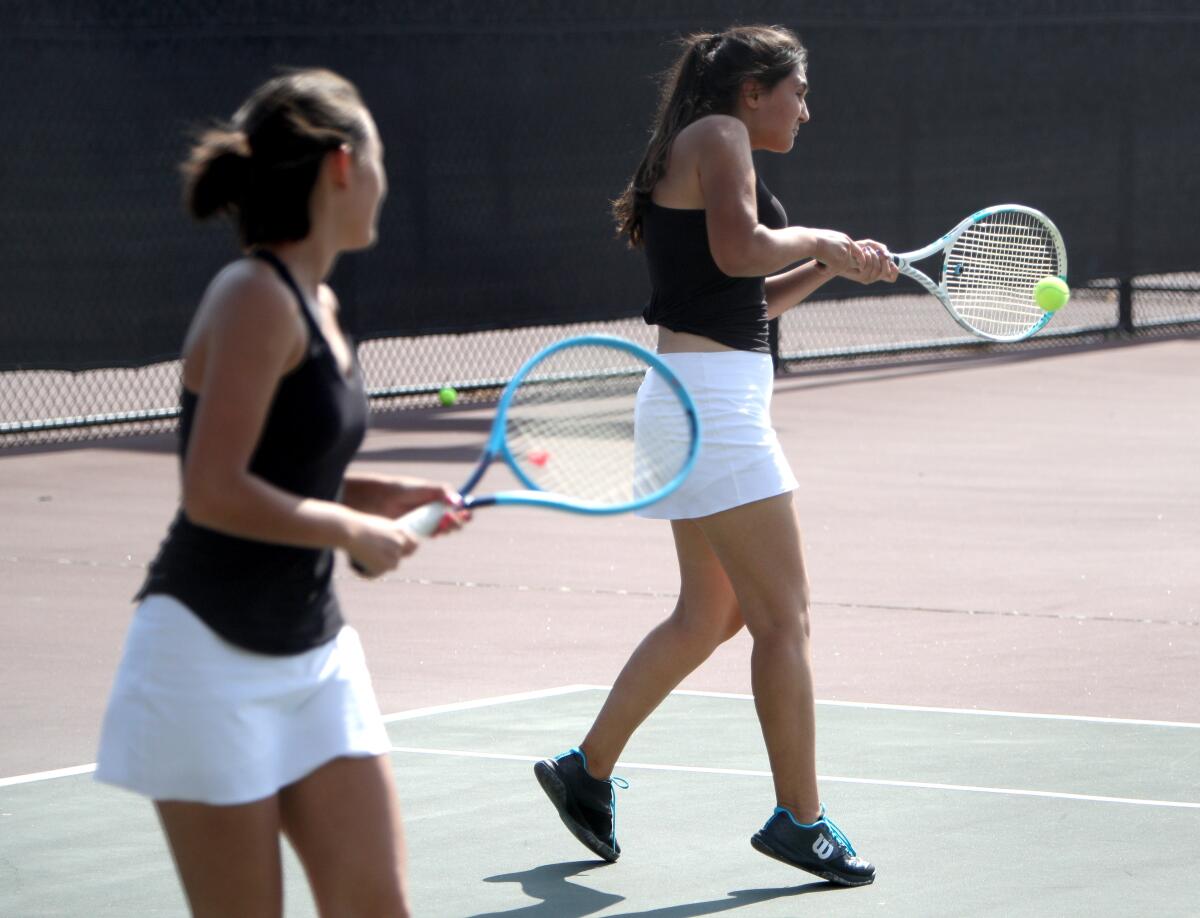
(242,705)
(716,242)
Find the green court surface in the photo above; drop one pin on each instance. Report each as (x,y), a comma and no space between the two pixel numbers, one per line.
(964,813)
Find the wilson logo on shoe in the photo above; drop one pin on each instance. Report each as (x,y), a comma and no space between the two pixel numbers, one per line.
(822,847)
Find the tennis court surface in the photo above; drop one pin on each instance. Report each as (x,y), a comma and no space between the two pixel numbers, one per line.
(1007,629)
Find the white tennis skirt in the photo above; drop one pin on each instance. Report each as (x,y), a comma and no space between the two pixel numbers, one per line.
(740,459)
(193,717)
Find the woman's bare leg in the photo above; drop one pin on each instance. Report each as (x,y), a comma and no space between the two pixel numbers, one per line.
(706,614)
(227,857)
(344,822)
(760,550)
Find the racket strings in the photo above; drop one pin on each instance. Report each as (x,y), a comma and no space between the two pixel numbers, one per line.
(992,268)
(570,429)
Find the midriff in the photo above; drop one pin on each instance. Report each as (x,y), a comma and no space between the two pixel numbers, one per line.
(680,342)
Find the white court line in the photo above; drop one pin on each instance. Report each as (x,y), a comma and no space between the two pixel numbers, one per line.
(486,702)
(982,712)
(570,689)
(47,775)
(833,779)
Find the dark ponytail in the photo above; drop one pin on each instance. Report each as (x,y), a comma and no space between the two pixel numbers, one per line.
(704,80)
(216,173)
(260,168)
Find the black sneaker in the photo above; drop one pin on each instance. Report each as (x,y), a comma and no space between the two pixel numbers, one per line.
(586,805)
(818,847)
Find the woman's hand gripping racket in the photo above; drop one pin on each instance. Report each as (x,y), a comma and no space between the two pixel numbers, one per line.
(994,259)
(564,426)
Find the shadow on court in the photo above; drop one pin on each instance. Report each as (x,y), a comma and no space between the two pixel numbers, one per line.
(559,898)
(738,898)
(555,895)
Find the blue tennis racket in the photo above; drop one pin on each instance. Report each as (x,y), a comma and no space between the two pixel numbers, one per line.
(565,427)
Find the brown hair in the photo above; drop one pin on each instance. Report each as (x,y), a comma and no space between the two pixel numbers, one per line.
(261,166)
(706,79)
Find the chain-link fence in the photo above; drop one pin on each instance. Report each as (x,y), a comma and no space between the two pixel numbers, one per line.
(45,406)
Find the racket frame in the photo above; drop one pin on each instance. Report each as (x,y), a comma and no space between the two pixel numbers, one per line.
(530,494)
(904,261)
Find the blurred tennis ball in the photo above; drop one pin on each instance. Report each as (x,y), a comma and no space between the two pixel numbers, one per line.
(447,395)
(1051,293)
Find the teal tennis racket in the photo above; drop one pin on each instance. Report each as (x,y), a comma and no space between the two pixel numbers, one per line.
(993,260)
(564,426)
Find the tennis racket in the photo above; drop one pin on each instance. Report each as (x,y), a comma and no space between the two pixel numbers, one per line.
(564,425)
(994,258)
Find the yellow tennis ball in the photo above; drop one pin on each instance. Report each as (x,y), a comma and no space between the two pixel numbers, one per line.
(447,395)
(1051,293)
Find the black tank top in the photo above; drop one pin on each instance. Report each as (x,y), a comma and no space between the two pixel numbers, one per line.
(688,291)
(265,597)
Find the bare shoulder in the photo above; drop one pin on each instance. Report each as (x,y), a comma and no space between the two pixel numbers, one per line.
(715,130)
(246,302)
(247,293)
(250,284)
(713,143)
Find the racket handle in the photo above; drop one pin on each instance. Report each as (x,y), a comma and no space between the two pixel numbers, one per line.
(420,523)
(424,521)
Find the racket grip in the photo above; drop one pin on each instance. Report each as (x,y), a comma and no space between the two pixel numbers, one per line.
(420,523)
(424,521)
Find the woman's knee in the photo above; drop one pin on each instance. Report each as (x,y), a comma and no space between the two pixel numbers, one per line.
(727,628)
(707,626)
(781,621)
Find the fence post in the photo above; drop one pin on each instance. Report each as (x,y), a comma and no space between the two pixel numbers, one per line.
(1125,305)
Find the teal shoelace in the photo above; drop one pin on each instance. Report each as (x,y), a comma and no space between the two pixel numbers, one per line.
(837,833)
(616,782)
